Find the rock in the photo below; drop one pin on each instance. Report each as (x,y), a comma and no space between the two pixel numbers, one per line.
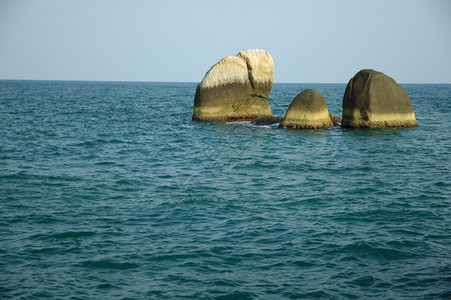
(267,121)
(335,119)
(309,111)
(372,99)
(236,88)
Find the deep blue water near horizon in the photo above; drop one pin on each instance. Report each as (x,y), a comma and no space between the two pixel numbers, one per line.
(109,190)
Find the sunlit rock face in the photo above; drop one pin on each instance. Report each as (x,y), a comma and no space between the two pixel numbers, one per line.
(236,88)
(373,99)
(308,110)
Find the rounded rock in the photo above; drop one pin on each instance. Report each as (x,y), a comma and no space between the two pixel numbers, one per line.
(308,110)
(373,99)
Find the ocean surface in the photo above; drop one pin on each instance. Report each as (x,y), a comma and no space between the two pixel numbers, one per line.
(110,191)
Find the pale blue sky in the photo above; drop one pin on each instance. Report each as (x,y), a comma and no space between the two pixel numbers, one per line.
(310,41)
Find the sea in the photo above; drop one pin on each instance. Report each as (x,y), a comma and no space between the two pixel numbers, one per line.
(108,190)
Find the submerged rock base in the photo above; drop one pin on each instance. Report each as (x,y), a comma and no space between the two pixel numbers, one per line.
(268,121)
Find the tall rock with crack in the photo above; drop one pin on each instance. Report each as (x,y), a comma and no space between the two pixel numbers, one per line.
(236,88)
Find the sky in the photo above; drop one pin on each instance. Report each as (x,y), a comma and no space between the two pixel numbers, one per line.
(321,41)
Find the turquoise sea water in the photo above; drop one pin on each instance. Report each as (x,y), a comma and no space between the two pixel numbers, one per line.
(109,190)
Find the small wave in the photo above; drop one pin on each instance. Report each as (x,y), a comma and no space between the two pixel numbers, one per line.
(73,234)
(92,143)
(272,126)
(106,286)
(364,281)
(105,163)
(52,250)
(371,250)
(109,264)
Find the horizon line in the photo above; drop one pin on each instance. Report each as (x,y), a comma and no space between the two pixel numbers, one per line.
(146,81)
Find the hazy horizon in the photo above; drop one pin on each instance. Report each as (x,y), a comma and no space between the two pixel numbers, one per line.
(175,41)
(195,82)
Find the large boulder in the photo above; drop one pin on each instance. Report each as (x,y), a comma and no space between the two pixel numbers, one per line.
(372,99)
(236,88)
(308,110)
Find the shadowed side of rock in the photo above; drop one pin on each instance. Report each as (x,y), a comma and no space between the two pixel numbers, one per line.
(268,121)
